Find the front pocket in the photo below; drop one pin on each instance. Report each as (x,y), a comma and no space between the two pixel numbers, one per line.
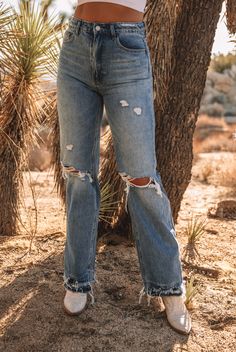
(130,41)
(69,36)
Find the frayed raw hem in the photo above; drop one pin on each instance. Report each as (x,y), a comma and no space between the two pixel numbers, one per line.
(73,285)
(76,286)
(160,291)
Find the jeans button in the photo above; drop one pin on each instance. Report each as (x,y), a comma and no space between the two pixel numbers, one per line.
(97,28)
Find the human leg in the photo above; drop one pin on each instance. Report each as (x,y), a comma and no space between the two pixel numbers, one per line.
(80,109)
(130,111)
(149,206)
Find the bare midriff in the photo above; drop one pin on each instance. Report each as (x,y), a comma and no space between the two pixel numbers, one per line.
(107,12)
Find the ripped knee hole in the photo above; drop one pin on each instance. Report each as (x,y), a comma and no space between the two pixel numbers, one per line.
(140,182)
(72,170)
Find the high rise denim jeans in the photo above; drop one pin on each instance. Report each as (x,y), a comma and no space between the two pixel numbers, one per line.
(108,65)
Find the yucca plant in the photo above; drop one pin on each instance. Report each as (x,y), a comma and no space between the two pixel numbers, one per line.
(194,230)
(5,18)
(25,62)
(191,292)
(45,5)
(109,175)
(51,113)
(107,204)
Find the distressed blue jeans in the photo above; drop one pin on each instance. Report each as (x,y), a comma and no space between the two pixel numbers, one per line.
(107,65)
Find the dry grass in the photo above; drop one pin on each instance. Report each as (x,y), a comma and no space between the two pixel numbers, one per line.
(227,175)
(207,120)
(219,172)
(213,134)
(217,143)
(196,158)
(32,213)
(206,171)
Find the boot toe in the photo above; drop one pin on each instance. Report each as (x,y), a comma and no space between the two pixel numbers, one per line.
(181,323)
(74,302)
(177,313)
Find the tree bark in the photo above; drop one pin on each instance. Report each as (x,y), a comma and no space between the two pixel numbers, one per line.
(175,121)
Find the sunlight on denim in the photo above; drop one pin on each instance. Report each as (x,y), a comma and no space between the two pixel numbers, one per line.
(108,65)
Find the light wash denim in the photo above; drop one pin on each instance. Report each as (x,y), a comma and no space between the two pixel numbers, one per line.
(108,65)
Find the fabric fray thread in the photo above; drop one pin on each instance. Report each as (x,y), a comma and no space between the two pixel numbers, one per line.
(153,292)
(75,286)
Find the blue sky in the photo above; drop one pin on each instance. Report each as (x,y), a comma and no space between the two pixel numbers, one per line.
(222,39)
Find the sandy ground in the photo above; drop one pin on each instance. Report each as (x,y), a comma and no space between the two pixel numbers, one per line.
(31,293)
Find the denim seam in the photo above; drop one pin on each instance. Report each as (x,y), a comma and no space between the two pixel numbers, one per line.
(94,247)
(92,244)
(93,240)
(140,256)
(170,219)
(92,161)
(142,267)
(148,57)
(153,121)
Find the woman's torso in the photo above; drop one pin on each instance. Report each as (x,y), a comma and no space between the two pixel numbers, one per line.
(107,12)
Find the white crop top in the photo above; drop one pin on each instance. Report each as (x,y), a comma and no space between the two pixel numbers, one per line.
(138,5)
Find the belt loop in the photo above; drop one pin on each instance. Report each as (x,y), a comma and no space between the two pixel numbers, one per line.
(113,31)
(78,27)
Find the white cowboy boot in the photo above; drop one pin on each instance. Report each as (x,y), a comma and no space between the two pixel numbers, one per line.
(177,313)
(75,302)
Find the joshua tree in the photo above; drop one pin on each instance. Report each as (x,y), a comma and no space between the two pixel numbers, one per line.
(45,4)
(30,43)
(25,61)
(180,36)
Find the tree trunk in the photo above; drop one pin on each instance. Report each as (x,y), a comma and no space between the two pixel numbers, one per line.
(231,16)
(175,121)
